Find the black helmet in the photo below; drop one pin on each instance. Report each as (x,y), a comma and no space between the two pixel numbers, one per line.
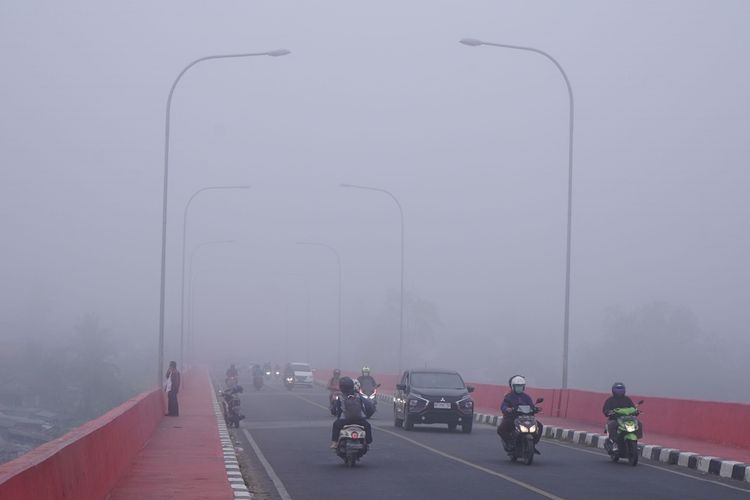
(618,389)
(346,385)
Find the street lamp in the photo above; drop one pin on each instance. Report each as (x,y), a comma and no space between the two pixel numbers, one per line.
(401,213)
(473,42)
(272,53)
(338,262)
(182,285)
(190,283)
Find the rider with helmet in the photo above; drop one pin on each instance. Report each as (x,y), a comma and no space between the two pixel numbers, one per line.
(350,408)
(512,400)
(367,381)
(617,400)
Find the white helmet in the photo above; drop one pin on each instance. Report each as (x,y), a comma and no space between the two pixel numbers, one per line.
(357,385)
(518,384)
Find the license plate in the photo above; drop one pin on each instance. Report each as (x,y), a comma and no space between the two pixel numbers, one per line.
(444,406)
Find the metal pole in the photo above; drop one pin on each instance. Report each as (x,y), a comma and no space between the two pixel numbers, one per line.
(338,262)
(182,285)
(190,287)
(401,313)
(167,120)
(566,323)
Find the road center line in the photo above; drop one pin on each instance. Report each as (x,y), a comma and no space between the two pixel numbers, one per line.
(280,488)
(457,459)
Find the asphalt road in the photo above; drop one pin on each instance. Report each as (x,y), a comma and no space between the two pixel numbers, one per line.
(290,434)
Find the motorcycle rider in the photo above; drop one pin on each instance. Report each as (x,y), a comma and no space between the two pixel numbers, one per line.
(512,400)
(367,381)
(350,408)
(232,371)
(617,400)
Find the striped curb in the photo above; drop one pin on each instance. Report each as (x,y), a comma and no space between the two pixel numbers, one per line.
(709,465)
(236,482)
(728,469)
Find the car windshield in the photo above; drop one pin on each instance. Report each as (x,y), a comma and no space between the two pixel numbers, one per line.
(299,367)
(437,380)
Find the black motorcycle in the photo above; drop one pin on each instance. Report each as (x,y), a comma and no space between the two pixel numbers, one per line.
(526,431)
(230,406)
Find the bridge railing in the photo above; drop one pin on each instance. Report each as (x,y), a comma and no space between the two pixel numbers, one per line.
(87,462)
(716,422)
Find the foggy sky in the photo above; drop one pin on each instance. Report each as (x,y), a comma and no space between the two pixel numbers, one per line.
(473,141)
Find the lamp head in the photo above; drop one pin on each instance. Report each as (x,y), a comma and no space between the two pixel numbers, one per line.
(471,42)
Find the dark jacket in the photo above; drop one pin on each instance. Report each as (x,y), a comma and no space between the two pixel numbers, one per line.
(367,383)
(367,408)
(616,402)
(513,400)
(174,377)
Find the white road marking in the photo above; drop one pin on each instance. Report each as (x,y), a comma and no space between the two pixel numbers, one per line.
(664,469)
(457,459)
(283,493)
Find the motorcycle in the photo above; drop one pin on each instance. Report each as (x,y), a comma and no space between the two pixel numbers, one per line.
(628,430)
(525,432)
(372,395)
(351,445)
(230,406)
(258,382)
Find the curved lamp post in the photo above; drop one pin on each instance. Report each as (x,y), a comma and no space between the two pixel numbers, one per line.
(338,262)
(473,42)
(401,300)
(184,241)
(272,53)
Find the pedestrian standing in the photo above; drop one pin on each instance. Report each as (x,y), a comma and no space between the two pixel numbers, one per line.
(172,387)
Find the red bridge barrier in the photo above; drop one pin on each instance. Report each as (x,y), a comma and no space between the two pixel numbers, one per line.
(709,421)
(86,462)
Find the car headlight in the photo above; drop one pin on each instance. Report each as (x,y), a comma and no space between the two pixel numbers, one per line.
(415,401)
(466,402)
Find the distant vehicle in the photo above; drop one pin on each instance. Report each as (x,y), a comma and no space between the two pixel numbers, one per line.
(430,396)
(298,375)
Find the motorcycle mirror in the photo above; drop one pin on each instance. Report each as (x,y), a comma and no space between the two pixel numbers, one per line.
(401,387)
(640,402)
(470,388)
(539,400)
(377,386)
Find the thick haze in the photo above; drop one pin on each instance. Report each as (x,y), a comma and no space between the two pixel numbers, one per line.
(473,142)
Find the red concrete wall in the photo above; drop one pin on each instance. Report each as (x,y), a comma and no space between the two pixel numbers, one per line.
(86,462)
(710,421)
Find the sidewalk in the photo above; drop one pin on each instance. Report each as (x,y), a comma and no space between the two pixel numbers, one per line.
(184,457)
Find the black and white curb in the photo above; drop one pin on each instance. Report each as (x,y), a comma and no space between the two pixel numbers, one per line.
(236,482)
(708,465)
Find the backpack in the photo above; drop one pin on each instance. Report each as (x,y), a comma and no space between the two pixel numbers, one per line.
(351,407)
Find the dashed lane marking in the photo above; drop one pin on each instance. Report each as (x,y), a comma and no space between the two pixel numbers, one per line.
(522,484)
